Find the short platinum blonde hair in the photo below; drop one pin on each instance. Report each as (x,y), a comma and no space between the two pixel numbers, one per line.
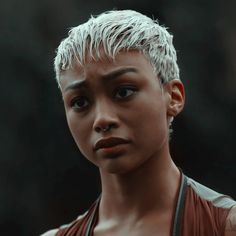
(115,31)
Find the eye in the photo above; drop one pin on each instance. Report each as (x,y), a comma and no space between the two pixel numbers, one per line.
(79,103)
(125,91)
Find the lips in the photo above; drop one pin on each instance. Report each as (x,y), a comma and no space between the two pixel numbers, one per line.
(109,142)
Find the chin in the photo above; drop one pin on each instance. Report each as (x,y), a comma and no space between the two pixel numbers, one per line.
(115,170)
(119,168)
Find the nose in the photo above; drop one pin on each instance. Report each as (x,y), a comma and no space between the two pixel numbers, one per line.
(105,117)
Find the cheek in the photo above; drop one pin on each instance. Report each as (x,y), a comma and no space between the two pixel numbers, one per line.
(79,132)
(151,123)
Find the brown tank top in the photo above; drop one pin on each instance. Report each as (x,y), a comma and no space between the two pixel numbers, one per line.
(199,211)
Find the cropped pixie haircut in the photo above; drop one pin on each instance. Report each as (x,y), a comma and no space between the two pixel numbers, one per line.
(116,31)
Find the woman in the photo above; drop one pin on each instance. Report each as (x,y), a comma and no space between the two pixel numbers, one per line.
(119,79)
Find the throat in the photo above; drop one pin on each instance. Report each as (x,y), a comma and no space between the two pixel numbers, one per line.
(126,198)
(163,223)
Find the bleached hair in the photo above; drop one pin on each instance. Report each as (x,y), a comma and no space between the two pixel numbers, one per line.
(115,31)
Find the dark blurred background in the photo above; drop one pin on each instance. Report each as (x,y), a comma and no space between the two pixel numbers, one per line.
(44,181)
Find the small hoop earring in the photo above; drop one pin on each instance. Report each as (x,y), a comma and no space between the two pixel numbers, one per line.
(171,119)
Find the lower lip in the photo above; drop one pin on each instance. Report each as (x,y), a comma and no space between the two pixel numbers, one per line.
(114,150)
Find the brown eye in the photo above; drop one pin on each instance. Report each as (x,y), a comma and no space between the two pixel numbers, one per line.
(79,103)
(125,91)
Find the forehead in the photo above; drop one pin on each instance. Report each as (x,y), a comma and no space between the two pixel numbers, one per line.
(105,65)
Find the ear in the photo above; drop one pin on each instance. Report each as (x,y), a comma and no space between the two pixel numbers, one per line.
(175,96)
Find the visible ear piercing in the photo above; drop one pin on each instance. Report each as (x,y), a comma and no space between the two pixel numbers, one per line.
(171,119)
(170,127)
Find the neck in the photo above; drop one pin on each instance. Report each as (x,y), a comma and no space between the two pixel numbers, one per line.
(152,189)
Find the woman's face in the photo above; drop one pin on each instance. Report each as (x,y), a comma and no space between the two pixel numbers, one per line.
(125,97)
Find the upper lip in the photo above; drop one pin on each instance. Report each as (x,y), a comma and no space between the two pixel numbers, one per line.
(109,142)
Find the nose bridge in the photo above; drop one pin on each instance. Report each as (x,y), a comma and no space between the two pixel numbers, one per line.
(104,109)
(104,113)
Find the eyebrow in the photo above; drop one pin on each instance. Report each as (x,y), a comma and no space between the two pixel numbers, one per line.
(109,76)
(119,72)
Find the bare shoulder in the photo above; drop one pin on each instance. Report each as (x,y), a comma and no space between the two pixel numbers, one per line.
(53,232)
(50,233)
(230,229)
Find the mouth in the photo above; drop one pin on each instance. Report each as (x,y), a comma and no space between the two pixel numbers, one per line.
(109,143)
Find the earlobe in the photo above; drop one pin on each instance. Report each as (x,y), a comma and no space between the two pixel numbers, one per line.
(176,97)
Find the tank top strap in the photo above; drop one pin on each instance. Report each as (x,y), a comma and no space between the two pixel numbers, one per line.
(92,220)
(179,209)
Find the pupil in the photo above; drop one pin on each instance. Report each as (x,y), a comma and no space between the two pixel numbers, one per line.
(80,103)
(123,92)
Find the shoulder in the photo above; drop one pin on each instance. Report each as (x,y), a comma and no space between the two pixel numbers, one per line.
(216,199)
(230,229)
(50,232)
(53,232)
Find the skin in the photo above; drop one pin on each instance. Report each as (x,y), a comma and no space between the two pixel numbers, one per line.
(139,179)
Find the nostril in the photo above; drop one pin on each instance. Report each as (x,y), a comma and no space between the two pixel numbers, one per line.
(105,128)
(98,129)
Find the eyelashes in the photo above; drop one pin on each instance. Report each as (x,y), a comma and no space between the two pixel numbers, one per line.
(79,103)
(122,93)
